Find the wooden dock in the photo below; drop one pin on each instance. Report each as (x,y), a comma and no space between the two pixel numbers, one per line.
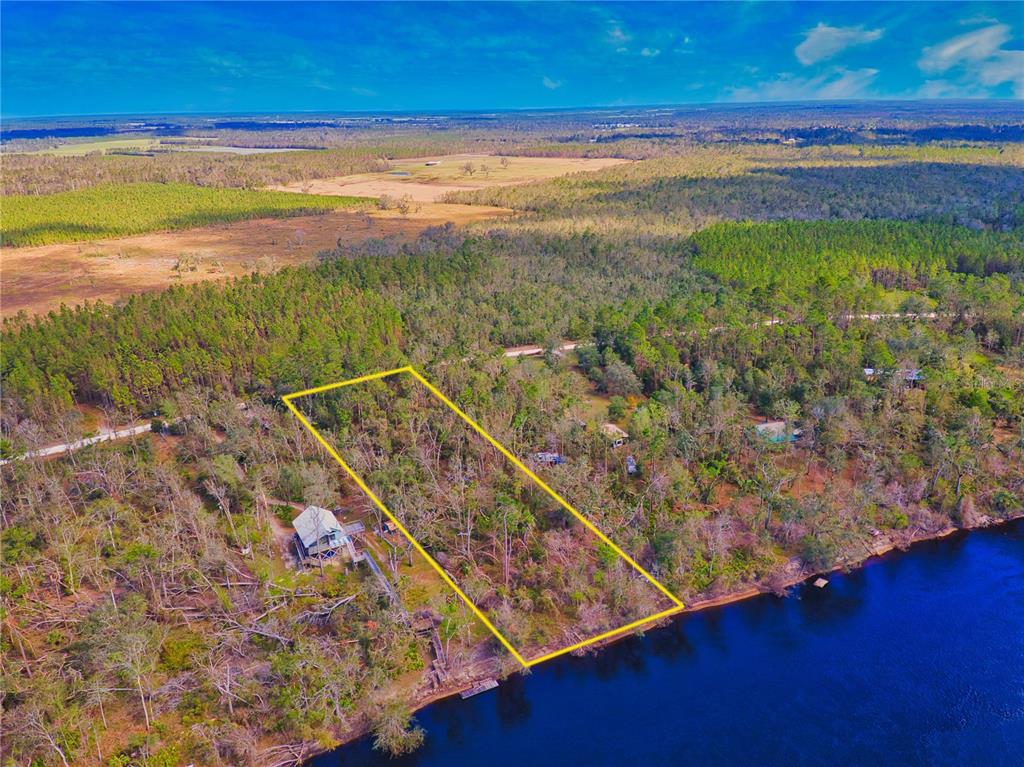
(479,687)
(385,583)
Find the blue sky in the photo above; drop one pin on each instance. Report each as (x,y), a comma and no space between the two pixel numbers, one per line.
(74,59)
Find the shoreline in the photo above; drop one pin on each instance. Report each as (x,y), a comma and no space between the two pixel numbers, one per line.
(748,592)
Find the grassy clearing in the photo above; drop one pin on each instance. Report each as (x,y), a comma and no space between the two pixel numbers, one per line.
(487,170)
(430,179)
(116,210)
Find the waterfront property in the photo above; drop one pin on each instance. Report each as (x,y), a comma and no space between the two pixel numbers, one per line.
(319,535)
(763,683)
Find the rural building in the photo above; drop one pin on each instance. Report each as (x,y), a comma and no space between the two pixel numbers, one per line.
(776,431)
(615,435)
(911,376)
(318,533)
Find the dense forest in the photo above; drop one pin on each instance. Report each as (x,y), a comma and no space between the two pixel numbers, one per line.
(514,550)
(977,187)
(888,253)
(814,353)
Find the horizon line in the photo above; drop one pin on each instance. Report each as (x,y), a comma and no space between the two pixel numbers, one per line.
(442,112)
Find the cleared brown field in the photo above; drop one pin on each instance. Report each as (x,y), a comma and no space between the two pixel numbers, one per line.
(38,279)
(420,182)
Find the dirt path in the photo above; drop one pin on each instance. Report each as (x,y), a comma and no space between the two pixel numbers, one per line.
(534,351)
(106,434)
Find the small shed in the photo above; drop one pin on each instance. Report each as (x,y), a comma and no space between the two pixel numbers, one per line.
(553,458)
(615,435)
(318,533)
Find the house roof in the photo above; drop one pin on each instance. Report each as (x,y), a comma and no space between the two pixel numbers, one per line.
(771,428)
(314,523)
(775,431)
(613,431)
(909,374)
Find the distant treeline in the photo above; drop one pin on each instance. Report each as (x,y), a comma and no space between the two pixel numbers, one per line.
(972,195)
(967,132)
(828,135)
(970,187)
(37,174)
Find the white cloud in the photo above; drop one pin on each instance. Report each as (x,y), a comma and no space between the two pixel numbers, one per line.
(943,89)
(962,49)
(976,59)
(824,42)
(226,63)
(848,85)
(979,18)
(616,34)
(836,84)
(550,84)
(650,52)
(1005,67)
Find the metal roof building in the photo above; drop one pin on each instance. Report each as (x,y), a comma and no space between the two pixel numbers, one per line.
(318,532)
(315,524)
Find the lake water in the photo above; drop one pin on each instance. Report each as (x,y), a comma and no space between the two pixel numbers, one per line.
(916,659)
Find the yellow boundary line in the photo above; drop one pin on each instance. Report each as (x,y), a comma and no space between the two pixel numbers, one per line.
(678,605)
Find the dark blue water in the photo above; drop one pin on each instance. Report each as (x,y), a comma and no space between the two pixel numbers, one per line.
(917,659)
(90,130)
